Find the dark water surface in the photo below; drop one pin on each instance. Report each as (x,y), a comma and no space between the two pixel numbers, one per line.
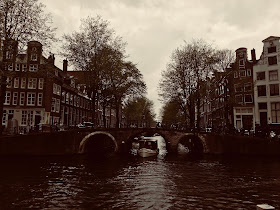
(131,182)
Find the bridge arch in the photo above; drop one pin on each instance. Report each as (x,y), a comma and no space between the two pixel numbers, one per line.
(194,142)
(89,137)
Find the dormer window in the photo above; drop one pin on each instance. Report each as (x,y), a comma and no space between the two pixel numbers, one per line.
(34,57)
(8,55)
(33,67)
(34,49)
(271,49)
(10,67)
(241,63)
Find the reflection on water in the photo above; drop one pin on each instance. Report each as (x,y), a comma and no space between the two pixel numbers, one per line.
(163,182)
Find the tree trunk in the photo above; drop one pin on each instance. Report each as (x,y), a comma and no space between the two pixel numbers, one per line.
(104,116)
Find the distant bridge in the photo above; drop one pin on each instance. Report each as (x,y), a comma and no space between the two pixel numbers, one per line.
(122,138)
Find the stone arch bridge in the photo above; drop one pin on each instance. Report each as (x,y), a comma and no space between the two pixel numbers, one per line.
(122,138)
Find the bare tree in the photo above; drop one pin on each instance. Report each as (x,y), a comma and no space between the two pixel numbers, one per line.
(26,20)
(86,49)
(190,65)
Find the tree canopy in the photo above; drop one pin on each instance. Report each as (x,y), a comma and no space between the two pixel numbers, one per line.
(26,20)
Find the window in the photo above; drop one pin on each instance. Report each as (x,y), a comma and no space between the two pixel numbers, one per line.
(272,60)
(33,67)
(63,96)
(262,90)
(243,73)
(241,63)
(58,90)
(248,87)
(15,98)
(22,98)
(54,88)
(57,105)
(67,98)
(23,83)
(238,88)
(239,99)
(274,89)
(249,72)
(71,99)
(40,99)
(31,99)
(23,117)
(261,75)
(8,55)
(4,117)
(7,98)
(262,105)
(16,82)
(41,83)
(32,83)
(271,49)
(9,82)
(10,67)
(34,57)
(273,75)
(34,49)
(53,105)
(24,67)
(235,74)
(248,98)
(275,112)
(17,67)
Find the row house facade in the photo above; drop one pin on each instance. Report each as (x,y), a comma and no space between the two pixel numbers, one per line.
(39,93)
(246,96)
(266,80)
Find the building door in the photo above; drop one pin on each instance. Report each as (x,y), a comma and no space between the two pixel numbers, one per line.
(247,121)
(263,119)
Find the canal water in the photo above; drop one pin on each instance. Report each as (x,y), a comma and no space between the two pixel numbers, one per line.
(130,182)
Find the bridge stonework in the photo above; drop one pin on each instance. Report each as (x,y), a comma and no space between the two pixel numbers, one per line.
(124,137)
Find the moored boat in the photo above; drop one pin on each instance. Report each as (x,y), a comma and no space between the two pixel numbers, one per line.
(147,148)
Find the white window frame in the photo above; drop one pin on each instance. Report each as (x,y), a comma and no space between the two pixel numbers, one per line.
(57,105)
(9,82)
(33,67)
(24,67)
(22,98)
(7,98)
(23,83)
(31,98)
(40,99)
(34,57)
(15,98)
(17,67)
(10,67)
(32,83)
(16,82)
(41,84)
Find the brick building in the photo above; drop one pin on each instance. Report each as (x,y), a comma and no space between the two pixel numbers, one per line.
(38,92)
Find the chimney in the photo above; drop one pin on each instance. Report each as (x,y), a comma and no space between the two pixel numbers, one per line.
(51,59)
(253,54)
(65,64)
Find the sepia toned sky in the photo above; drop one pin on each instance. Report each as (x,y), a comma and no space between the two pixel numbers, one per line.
(154,28)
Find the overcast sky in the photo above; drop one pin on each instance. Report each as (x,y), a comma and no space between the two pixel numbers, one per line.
(154,28)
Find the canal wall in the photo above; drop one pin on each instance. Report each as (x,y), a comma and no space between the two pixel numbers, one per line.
(68,142)
(241,145)
(55,143)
